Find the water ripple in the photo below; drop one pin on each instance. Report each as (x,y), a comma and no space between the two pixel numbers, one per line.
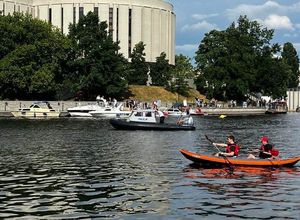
(84,169)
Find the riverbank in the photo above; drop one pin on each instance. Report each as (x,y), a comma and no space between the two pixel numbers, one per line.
(234,111)
(6,107)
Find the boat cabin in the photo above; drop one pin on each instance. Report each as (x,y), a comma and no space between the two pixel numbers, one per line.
(38,106)
(143,115)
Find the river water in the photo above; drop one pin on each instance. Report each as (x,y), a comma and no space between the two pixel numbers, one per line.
(84,169)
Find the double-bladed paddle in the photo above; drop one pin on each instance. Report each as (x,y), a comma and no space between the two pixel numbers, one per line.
(231,168)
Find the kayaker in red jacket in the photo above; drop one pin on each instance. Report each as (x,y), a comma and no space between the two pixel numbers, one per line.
(266,150)
(232,149)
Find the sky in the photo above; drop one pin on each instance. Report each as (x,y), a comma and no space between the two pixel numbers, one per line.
(194,18)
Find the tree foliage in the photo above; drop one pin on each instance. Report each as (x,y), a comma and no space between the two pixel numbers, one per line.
(160,71)
(290,57)
(180,73)
(138,68)
(31,57)
(234,61)
(96,67)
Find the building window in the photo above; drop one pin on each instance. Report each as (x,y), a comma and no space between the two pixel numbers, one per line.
(129,31)
(50,16)
(111,20)
(74,15)
(81,9)
(117,24)
(62,20)
(96,11)
(3,9)
(19,8)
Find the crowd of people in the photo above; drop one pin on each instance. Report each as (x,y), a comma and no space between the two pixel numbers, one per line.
(106,102)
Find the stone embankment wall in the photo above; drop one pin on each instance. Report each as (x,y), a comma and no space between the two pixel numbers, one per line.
(61,106)
(8,106)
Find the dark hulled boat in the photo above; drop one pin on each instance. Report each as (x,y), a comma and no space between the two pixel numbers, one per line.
(125,125)
(148,120)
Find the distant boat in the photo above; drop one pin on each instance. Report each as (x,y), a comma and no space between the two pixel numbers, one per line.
(278,107)
(37,110)
(173,112)
(149,120)
(111,112)
(196,111)
(84,111)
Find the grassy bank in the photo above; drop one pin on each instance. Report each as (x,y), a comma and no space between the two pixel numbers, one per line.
(150,93)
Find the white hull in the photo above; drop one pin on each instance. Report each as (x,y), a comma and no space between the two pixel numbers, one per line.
(32,114)
(37,110)
(83,111)
(80,114)
(111,112)
(121,114)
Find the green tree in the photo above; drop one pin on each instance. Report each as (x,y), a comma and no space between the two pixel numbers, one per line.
(274,75)
(160,71)
(97,67)
(31,67)
(290,57)
(180,73)
(138,68)
(229,61)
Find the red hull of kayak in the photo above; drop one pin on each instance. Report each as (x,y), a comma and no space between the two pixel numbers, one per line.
(212,161)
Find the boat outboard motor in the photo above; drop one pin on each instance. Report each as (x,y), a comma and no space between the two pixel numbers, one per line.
(188,120)
(191,121)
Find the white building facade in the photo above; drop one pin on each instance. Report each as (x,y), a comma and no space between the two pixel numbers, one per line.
(129,21)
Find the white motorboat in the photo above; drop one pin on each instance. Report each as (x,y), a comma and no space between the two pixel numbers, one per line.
(151,120)
(197,111)
(84,111)
(174,112)
(37,110)
(111,112)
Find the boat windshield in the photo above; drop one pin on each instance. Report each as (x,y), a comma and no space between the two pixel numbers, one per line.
(138,114)
(34,106)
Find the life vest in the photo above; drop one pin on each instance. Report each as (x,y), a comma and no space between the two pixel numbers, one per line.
(198,110)
(233,148)
(270,149)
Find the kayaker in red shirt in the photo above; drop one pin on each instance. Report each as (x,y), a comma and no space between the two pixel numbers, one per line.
(266,150)
(232,149)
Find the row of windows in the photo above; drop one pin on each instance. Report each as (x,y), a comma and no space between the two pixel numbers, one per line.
(3,10)
(80,11)
(110,21)
(15,9)
(96,11)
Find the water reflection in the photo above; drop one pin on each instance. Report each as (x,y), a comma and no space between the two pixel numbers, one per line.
(251,193)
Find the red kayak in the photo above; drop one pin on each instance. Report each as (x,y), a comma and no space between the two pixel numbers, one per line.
(213,161)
